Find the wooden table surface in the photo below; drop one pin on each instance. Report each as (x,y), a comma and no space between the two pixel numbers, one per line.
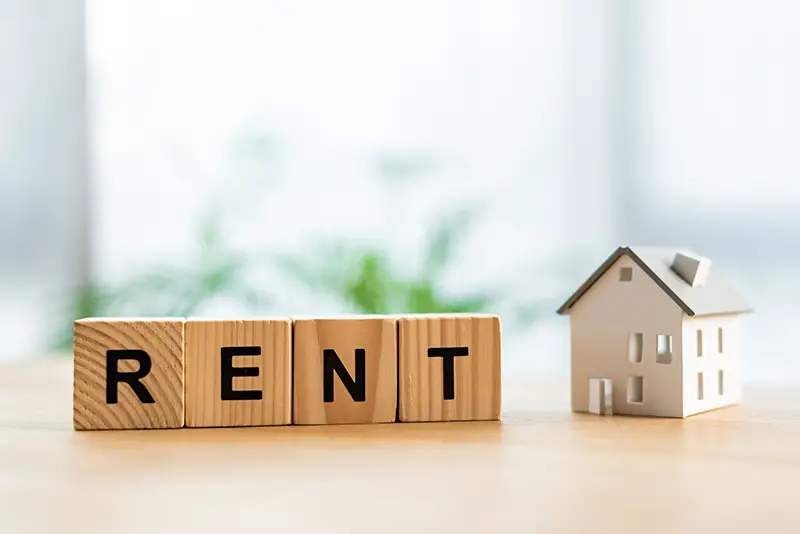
(541,470)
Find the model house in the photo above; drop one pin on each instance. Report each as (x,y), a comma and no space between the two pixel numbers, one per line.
(655,332)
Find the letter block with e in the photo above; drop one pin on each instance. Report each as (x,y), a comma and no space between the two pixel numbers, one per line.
(238,372)
(128,374)
(449,368)
(345,370)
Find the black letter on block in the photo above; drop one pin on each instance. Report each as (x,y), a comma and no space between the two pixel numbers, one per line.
(229,371)
(114,376)
(356,388)
(448,355)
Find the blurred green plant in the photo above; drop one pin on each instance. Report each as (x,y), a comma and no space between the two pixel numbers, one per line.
(366,280)
(218,271)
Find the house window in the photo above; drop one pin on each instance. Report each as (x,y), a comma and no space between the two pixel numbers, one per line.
(664,348)
(699,343)
(699,386)
(721,379)
(635,342)
(635,390)
(626,274)
(719,340)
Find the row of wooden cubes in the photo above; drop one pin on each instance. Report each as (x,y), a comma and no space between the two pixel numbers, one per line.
(169,373)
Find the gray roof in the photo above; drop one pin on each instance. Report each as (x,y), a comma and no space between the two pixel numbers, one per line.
(715,297)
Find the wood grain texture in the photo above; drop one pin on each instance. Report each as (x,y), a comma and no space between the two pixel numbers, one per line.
(377,335)
(477,375)
(162,340)
(543,469)
(204,341)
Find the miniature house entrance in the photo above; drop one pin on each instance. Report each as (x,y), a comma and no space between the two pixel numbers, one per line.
(601,398)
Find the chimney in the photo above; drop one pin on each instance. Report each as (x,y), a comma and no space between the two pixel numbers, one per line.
(693,269)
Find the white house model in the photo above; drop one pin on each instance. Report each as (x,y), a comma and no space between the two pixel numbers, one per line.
(655,332)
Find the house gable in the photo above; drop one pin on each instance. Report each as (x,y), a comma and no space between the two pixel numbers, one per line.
(629,288)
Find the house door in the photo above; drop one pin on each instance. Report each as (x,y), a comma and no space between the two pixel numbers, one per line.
(601,398)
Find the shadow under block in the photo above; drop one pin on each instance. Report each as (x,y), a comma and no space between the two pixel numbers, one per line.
(449,368)
(238,372)
(128,374)
(345,370)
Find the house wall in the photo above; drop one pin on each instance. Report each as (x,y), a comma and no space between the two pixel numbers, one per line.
(601,322)
(711,362)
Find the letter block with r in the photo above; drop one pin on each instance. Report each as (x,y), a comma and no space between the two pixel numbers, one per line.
(128,374)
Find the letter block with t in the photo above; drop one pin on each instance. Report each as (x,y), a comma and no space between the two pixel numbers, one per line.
(345,370)
(238,372)
(128,374)
(449,368)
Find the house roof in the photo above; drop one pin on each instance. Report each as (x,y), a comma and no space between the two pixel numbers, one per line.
(713,298)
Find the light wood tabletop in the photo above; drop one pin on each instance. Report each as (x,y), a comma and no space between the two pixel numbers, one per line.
(542,469)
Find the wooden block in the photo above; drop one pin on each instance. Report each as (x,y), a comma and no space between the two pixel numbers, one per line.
(238,372)
(345,370)
(449,368)
(128,374)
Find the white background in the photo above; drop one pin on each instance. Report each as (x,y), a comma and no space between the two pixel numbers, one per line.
(582,125)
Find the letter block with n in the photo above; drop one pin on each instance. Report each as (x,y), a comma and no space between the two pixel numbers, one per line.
(345,370)
(128,374)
